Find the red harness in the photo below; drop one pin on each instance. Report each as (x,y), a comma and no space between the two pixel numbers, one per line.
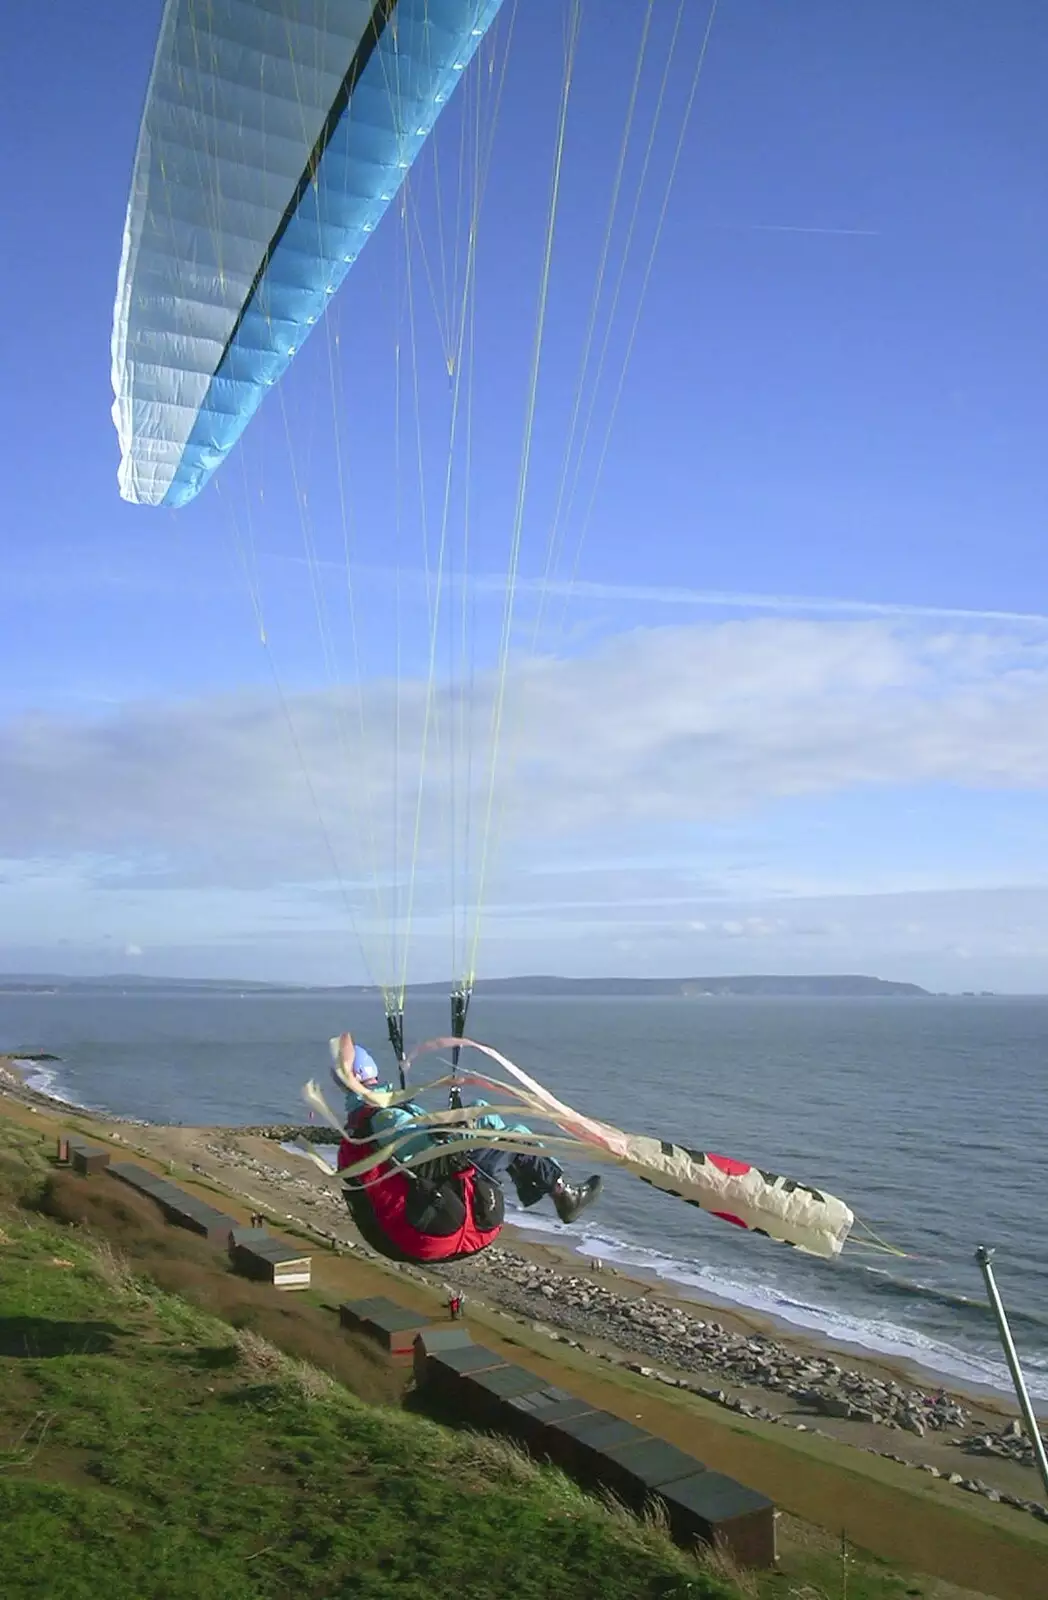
(427,1215)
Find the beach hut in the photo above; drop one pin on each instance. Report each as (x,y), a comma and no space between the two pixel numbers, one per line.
(256,1254)
(87,1159)
(389,1325)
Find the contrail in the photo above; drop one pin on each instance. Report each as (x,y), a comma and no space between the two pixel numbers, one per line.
(793,227)
(827,605)
(720,599)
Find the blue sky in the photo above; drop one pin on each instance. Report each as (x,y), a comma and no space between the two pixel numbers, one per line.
(777,699)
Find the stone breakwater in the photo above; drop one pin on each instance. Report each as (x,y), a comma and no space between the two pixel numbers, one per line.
(574,1310)
(1008,1444)
(690,1343)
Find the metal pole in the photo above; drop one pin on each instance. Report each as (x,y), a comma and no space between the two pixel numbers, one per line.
(985,1257)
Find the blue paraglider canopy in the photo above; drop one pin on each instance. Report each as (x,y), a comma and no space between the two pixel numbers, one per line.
(274,138)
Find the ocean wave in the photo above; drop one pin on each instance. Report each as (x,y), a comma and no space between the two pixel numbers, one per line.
(874,1336)
(327,1152)
(889,1283)
(43,1078)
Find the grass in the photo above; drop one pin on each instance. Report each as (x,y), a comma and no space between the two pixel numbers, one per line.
(148,1448)
(169,1430)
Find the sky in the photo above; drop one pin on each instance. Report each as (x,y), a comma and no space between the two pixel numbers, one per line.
(730,655)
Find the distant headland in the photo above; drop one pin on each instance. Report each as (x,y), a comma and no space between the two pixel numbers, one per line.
(829,985)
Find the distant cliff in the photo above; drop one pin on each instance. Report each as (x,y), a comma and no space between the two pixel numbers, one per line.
(829,985)
(747,984)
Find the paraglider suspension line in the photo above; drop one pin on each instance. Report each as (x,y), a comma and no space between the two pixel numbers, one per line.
(395,1028)
(460,999)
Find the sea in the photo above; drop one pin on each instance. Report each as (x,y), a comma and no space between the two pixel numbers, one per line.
(929,1116)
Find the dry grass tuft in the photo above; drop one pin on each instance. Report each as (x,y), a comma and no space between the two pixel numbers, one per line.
(620,1512)
(655,1516)
(21,1451)
(262,1362)
(113,1267)
(500,1459)
(721,1564)
(314,1384)
(259,1360)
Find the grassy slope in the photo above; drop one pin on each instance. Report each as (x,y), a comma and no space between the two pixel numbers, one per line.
(148,1448)
(151,1450)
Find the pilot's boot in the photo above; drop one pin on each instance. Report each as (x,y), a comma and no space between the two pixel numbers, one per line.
(571,1199)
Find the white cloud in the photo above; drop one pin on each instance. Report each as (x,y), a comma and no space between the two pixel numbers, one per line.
(752,927)
(625,778)
(678,725)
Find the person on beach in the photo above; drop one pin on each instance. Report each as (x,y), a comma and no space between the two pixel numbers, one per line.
(446,1207)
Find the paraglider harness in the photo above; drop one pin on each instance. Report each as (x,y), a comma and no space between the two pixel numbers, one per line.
(436,1210)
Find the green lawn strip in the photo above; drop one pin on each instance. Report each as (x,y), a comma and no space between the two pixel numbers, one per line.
(146,1449)
(840,1574)
(908,1483)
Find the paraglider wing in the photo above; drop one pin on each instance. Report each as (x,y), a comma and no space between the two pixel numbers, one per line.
(783,1209)
(275,136)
